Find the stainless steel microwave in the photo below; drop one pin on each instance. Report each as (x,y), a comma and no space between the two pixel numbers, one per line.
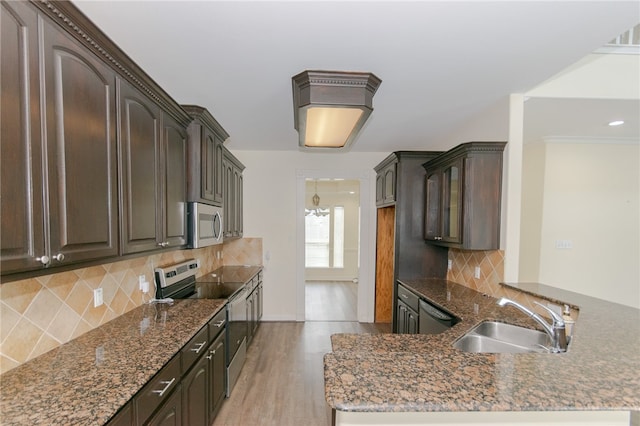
(205,225)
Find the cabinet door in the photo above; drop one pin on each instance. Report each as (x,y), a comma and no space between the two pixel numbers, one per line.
(238,203)
(21,184)
(432,206)
(452,203)
(140,167)
(170,413)
(217,379)
(207,165)
(228,210)
(81,150)
(390,184)
(194,394)
(259,292)
(401,318)
(218,171)
(412,321)
(174,197)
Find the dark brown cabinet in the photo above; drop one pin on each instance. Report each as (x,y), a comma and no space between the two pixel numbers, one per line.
(386,181)
(194,394)
(153,175)
(401,251)
(157,392)
(205,153)
(59,194)
(216,381)
(462,197)
(407,311)
(233,196)
(170,413)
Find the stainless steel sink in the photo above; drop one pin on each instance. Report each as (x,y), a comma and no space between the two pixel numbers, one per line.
(498,337)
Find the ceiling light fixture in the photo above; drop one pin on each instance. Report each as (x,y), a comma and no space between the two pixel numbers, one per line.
(331,107)
(616,123)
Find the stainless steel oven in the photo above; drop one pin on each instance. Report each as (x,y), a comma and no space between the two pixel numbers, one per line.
(204,225)
(179,282)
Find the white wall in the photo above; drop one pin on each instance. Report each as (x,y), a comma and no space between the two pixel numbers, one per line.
(590,198)
(270,203)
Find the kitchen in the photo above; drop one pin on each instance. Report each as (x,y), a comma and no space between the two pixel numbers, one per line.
(274,225)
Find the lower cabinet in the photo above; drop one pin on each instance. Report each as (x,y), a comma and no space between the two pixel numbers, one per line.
(189,389)
(407,319)
(407,316)
(254,306)
(170,413)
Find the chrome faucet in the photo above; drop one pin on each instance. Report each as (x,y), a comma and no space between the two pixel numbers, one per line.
(556,330)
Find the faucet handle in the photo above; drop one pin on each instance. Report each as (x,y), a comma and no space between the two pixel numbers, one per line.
(557,319)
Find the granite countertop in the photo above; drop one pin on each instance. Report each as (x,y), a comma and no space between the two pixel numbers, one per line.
(87,380)
(417,373)
(231,274)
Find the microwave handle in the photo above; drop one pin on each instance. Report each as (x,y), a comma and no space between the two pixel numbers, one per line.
(217,226)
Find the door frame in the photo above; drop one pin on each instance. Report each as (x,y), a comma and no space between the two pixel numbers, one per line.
(366,250)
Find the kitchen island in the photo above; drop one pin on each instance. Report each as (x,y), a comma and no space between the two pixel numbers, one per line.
(391,379)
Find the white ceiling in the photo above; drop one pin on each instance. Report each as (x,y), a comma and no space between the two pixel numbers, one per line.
(442,63)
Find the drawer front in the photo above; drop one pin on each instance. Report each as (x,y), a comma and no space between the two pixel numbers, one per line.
(218,324)
(409,298)
(194,349)
(157,390)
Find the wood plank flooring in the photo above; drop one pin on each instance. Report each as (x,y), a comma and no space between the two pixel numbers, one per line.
(331,301)
(282,381)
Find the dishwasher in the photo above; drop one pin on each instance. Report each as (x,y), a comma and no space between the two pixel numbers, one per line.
(433,320)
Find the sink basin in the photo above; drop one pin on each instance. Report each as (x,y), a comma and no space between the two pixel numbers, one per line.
(499,337)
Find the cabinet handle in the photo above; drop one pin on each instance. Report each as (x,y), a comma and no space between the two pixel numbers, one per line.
(167,386)
(164,244)
(220,323)
(404,296)
(59,257)
(43,259)
(199,347)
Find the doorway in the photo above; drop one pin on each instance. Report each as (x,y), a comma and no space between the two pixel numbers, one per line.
(332,246)
(359,282)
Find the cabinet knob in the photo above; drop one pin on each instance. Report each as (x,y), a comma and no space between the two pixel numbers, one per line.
(43,259)
(163,244)
(59,257)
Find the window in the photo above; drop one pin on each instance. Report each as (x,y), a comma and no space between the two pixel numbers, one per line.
(324,239)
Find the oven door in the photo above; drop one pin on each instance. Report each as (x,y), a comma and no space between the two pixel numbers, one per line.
(205,225)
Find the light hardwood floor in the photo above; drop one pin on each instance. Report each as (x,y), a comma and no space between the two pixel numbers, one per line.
(282,381)
(331,301)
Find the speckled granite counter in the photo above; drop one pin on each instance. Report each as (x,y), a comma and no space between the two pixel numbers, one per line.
(87,380)
(418,373)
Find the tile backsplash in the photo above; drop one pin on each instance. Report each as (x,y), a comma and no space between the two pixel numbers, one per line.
(39,314)
(491,264)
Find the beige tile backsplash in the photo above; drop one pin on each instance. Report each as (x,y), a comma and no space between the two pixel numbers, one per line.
(39,314)
(491,265)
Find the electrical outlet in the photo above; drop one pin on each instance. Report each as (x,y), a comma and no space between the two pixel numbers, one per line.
(97,297)
(476,273)
(141,280)
(145,287)
(449,264)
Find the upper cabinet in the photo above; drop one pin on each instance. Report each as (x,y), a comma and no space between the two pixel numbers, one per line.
(463,193)
(386,181)
(153,150)
(59,193)
(93,152)
(233,196)
(205,153)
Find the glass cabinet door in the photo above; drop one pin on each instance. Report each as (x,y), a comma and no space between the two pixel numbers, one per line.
(432,207)
(451,203)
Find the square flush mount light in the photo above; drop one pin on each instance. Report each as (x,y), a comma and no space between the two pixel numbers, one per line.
(330,107)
